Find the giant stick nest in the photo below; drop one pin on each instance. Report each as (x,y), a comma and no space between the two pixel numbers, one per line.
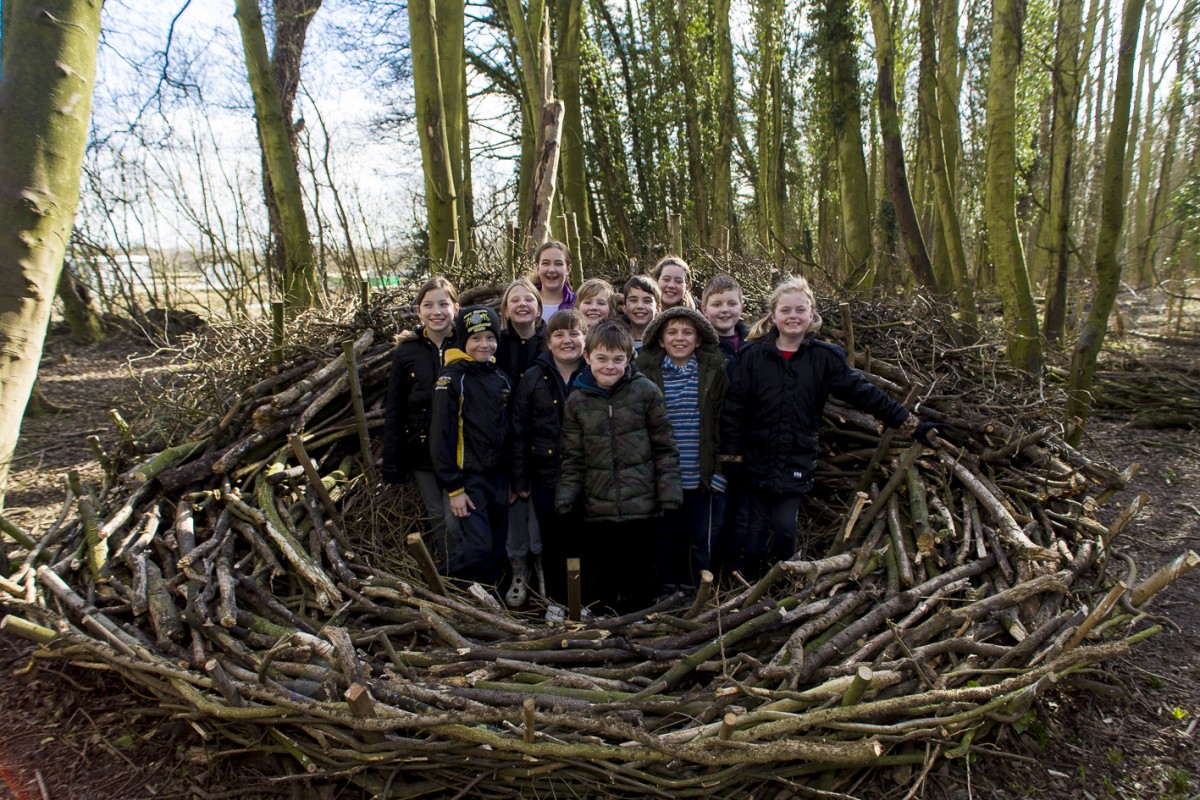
(282,604)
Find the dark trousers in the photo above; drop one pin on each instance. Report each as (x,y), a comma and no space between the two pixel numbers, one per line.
(770,531)
(480,552)
(618,564)
(560,540)
(689,538)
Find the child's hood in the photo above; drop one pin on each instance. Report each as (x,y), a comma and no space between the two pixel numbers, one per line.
(586,381)
(708,334)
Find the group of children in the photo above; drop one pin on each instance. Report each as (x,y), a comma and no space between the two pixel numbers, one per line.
(652,447)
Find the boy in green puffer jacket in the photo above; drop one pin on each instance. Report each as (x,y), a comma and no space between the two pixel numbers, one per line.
(620,459)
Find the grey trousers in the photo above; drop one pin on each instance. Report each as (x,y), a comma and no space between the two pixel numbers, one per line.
(444,531)
(524,538)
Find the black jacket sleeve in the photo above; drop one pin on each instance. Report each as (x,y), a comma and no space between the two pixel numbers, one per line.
(446,432)
(851,386)
(395,419)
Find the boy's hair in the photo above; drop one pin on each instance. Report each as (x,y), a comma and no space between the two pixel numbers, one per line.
(519,283)
(608,335)
(568,319)
(794,283)
(718,284)
(435,283)
(643,284)
(594,287)
(668,261)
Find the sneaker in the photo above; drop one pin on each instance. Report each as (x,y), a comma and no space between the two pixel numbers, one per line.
(517,592)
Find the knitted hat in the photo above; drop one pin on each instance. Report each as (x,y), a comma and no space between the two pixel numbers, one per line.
(475,319)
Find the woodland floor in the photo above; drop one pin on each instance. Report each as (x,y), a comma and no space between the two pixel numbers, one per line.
(68,733)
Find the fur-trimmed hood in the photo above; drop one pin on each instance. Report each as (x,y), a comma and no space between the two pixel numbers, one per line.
(708,334)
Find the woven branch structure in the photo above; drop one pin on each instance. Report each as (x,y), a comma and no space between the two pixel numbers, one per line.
(251,575)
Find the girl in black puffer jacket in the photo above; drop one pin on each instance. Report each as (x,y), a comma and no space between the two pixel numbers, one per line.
(772,414)
(415,368)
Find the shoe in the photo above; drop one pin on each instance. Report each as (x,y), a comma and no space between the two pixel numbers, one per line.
(518,590)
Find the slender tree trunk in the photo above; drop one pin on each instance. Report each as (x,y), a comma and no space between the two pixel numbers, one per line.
(949,225)
(727,121)
(1112,218)
(567,65)
(439,152)
(1052,256)
(1012,278)
(47,71)
(292,18)
(300,276)
(845,118)
(1175,109)
(893,150)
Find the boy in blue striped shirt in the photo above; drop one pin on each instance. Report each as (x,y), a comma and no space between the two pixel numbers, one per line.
(681,355)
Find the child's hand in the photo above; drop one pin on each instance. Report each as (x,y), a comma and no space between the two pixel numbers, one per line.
(461,506)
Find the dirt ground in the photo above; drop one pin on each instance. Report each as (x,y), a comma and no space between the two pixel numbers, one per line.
(69,733)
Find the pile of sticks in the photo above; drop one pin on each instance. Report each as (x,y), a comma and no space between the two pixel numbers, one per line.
(941,593)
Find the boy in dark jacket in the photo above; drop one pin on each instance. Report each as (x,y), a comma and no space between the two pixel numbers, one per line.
(469,438)
(620,460)
(538,405)
(680,355)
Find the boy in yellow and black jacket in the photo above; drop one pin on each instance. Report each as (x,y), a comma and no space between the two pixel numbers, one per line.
(469,444)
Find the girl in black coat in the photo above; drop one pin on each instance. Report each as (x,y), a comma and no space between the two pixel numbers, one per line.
(415,368)
(772,414)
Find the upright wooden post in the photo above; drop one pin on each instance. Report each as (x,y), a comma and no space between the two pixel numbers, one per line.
(364,293)
(360,414)
(576,245)
(514,249)
(451,253)
(676,224)
(277,331)
(574,590)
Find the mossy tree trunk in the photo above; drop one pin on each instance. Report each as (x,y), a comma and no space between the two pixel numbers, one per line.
(299,279)
(567,65)
(433,28)
(837,31)
(940,142)
(727,122)
(1052,256)
(1112,219)
(893,149)
(47,72)
(1012,277)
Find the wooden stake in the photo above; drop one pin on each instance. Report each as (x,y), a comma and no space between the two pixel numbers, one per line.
(527,708)
(574,608)
(703,594)
(451,253)
(296,442)
(514,249)
(676,225)
(848,332)
(859,686)
(277,331)
(417,549)
(360,414)
(364,294)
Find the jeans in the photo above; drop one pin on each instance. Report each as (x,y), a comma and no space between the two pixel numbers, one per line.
(524,535)
(771,531)
(480,553)
(689,536)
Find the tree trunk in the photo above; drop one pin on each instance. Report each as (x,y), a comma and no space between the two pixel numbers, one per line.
(845,118)
(292,18)
(893,150)
(46,77)
(949,225)
(544,174)
(1012,278)
(300,275)
(1052,256)
(438,151)
(81,317)
(727,121)
(567,65)
(1112,218)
